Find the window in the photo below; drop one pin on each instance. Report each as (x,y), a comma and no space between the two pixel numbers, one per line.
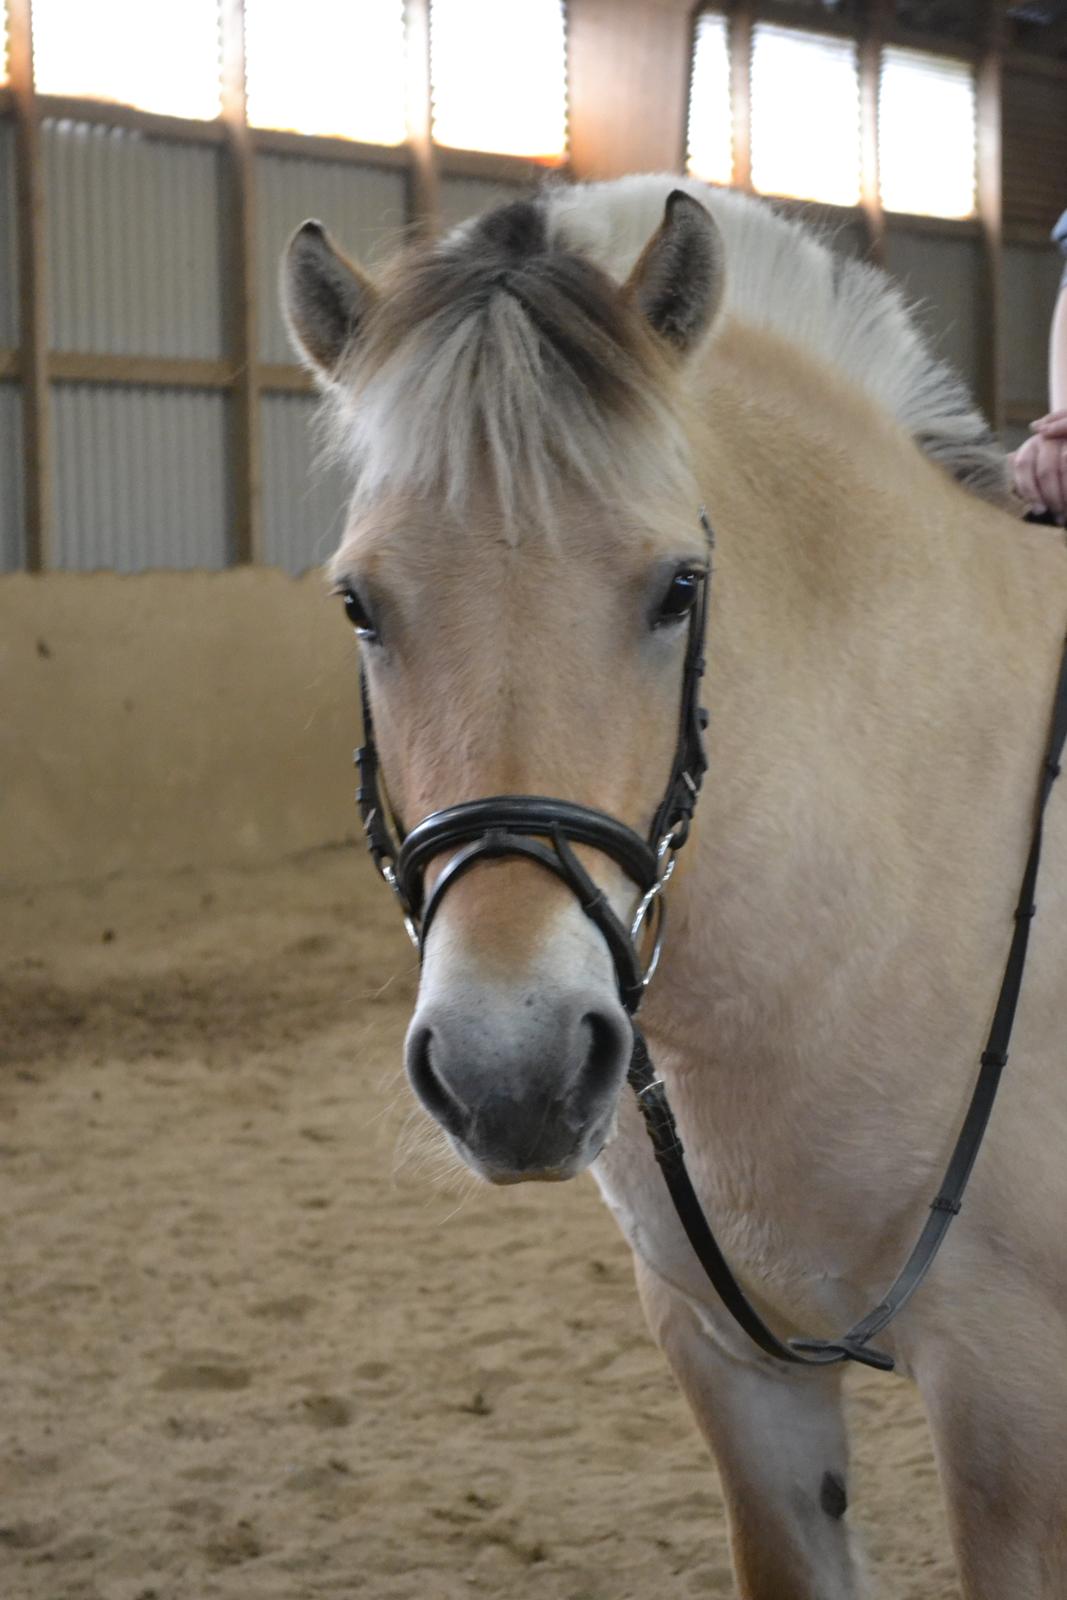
(499,76)
(805,116)
(328,68)
(162,56)
(711,154)
(926,134)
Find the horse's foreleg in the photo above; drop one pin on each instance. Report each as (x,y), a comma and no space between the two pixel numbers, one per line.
(779,1441)
(998,1413)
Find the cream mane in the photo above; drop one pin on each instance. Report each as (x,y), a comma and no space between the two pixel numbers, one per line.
(782,275)
(504,355)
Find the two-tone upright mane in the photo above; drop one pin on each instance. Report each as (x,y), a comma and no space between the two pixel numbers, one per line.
(507,339)
(534,409)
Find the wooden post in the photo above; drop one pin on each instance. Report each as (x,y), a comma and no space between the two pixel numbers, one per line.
(628,65)
(870,57)
(740,25)
(240,293)
(990,75)
(33,300)
(424,197)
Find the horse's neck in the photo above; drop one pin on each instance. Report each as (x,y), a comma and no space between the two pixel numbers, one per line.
(882,655)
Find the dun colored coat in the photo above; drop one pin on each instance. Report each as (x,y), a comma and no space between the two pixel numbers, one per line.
(534,410)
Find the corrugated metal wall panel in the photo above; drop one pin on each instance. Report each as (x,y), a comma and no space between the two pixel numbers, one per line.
(9,300)
(365,209)
(140,477)
(1031,280)
(12,525)
(467,197)
(943,277)
(1034,111)
(133,243)
(303,502)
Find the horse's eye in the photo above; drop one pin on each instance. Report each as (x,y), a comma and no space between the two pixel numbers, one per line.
(680,597)
(358,616)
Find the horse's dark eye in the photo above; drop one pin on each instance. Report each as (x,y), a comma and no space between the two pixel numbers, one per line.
(680,597)
(357,614)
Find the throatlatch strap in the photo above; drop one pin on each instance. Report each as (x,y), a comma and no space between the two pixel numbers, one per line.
(659,1122)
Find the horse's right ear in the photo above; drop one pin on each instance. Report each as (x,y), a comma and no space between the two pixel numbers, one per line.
(679,277)
(325,298)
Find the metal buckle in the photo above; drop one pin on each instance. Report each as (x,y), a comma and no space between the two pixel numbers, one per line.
(386,870)
(653,898)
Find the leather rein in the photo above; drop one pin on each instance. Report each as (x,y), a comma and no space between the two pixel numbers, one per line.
(546,830)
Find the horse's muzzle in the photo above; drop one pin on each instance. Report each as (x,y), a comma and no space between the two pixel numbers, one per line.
(526,1086)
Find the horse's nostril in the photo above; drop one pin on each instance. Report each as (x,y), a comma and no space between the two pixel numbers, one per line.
(606,1059)
(431,1088)
(522,1090)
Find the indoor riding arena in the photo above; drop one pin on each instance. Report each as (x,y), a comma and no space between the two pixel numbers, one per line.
(266,1332)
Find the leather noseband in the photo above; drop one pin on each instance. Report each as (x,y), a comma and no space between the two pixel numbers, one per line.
(519,826)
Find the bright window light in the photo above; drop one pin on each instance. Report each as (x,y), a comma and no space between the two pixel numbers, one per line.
(805,116)
(500,76)
(160,55)
(328,67)
(926,134)
(711,154)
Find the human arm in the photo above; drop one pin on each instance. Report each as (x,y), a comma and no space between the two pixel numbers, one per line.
(1040,464)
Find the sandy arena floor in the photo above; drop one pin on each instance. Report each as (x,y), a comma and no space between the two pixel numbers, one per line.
(248,1351)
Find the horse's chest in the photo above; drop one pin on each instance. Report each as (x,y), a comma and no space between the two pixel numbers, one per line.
(780,1243)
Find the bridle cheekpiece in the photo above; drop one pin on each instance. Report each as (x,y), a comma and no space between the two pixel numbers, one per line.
(546,831)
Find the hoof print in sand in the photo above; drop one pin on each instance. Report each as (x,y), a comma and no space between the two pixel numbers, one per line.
(210,1375)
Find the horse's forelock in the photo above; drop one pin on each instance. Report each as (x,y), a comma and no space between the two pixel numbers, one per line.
(499,356)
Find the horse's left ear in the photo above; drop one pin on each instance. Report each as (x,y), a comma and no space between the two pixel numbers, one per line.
(678,279)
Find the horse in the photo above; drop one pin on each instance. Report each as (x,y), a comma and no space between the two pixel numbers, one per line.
(535,407)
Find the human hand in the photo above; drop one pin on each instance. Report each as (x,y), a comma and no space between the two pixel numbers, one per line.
(1053,425)
(1039,466)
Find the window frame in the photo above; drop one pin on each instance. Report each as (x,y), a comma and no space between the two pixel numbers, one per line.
(967,61)
(839,37)
(743,16)
(450,161)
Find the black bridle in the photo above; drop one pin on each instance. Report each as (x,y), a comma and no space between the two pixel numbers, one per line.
(544,830)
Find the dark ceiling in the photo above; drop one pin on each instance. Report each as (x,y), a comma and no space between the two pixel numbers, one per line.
(1039,26)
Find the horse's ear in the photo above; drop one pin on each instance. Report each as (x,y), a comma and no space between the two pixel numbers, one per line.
(678,279)
(325,298)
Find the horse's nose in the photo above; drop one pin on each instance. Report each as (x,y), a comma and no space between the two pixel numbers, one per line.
(525,1085)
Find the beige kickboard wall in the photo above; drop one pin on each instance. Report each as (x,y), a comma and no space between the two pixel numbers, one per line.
(162,720)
